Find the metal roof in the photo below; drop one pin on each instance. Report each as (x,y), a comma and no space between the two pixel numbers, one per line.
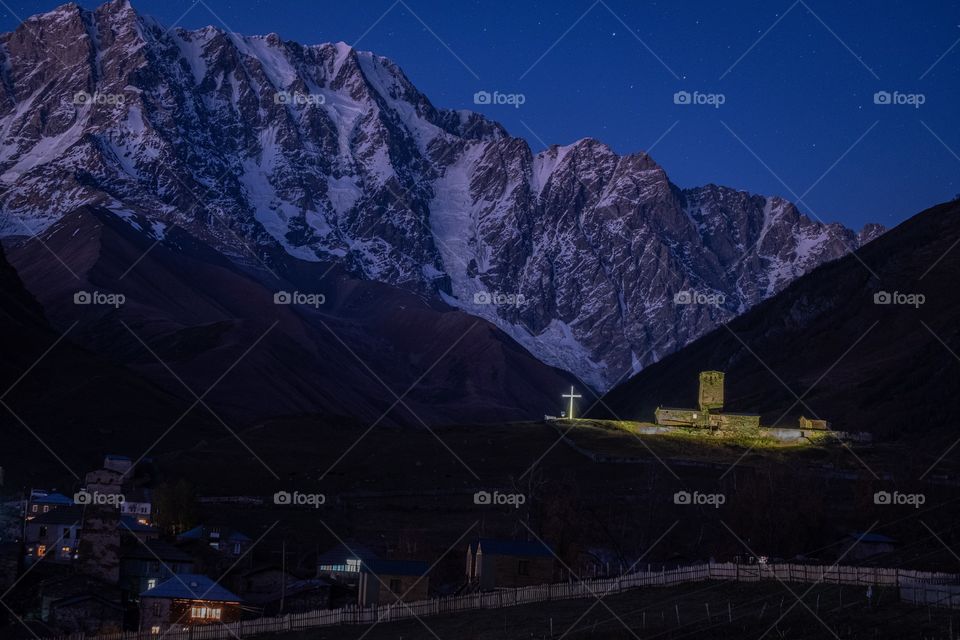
(191,586)
(497,547)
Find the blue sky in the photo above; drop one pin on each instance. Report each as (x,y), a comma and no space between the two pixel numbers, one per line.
(796,79)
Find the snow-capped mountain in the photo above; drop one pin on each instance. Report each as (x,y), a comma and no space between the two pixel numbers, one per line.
(594,262)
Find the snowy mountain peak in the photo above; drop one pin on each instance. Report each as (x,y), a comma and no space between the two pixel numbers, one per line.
(254,144)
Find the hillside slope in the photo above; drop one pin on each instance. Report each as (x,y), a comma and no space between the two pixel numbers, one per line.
(859,364)
(65,402)
(216,326)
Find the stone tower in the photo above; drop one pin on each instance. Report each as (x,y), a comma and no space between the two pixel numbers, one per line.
(711,390)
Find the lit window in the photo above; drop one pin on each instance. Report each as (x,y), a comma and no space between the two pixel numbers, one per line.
(46,508)
(353,564)
(151,583)
(205,613)
(42,550)
(155,629)
(34,508)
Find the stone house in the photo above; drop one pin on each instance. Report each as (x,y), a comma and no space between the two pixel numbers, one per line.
(185,601)
(389,581)
(53,535)
(497,564)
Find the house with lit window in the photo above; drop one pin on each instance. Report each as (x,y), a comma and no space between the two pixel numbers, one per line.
(144,565)
(41,502)
(53,535)
(131,528)
(342,563)
(138,504)
(389,581)
(498,564)
(185,601)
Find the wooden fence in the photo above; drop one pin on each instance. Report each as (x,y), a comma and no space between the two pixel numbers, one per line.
(915,581)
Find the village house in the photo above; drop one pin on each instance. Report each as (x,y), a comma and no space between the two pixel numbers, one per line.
(184,601)
(87,613)
(497,564)
(130,527)
(389,581)
(342,563)
(144,565)
(53,535)
(138,504)
(78,603)
(41,501)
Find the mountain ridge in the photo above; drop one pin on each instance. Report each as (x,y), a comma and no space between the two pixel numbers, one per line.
(252,143)
(845,343)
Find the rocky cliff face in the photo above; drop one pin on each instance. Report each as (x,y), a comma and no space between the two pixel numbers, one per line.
(595,262)
(868,348)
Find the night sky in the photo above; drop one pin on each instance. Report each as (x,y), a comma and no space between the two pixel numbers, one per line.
(797,80)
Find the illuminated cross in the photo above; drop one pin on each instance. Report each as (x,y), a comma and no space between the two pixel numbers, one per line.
(571,395)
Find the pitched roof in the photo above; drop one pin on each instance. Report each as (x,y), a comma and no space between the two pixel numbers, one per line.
(521,548)
(50,498)
(191,586)
(396,567)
